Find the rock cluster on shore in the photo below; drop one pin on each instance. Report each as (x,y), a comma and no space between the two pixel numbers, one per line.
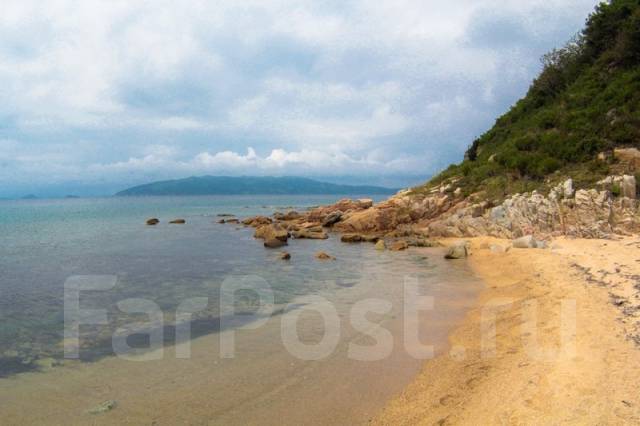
(413,220)
(610,208)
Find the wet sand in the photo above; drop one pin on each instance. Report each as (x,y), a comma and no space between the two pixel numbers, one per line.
(591,379)
(264,383)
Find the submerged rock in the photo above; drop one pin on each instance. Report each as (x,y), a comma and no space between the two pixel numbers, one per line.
(153,221)
(380,245)
(324,256)
(285,256)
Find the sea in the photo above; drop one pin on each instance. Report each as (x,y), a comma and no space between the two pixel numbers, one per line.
(45,244)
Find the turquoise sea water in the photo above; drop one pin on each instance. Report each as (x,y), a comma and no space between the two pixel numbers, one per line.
(44,242)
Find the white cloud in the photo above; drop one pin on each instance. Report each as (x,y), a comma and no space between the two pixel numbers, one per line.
(406,82)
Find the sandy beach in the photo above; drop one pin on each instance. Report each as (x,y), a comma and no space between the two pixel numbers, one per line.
(264,383)
(590,379)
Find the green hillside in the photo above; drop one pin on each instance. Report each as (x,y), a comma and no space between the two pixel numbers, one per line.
(585,101)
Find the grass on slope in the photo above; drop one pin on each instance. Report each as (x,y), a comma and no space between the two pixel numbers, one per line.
(585,101)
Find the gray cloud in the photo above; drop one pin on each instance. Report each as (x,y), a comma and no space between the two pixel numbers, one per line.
(112,93)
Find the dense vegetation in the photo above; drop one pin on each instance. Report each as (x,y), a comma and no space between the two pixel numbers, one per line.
(585,101)
(247,185)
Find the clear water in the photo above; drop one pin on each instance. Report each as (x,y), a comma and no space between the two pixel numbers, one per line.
(44,242)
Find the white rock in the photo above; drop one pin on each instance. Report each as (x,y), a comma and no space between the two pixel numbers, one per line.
(524,242)
(567,187)
(628,186)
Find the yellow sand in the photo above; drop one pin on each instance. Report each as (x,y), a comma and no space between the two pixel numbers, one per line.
(598,384)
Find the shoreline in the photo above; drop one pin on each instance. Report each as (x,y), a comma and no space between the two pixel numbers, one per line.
(259,384)
(520,383)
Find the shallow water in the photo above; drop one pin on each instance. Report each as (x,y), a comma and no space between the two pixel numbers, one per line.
(46,242)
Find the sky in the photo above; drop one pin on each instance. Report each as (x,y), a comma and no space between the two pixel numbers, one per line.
(96,96)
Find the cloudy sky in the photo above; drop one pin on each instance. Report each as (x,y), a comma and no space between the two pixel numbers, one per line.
(96,96)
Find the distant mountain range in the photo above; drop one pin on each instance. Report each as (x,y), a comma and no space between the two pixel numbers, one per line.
(245,185)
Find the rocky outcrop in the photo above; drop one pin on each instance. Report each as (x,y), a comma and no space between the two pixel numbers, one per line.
(610,208)
(334,212)
(178,222)
(152,221)
(592,213)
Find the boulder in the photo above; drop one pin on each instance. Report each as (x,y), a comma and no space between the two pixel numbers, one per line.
(332,218)
(309,226)
(380,245)
(271,232)
(421,242)
(257,221)
(365,203)
(324,256)
(399,245)
(314,229)
(178,221)
(222,221)
(274,243)
(153,221)
(525,242)
(567,188)
(351,238)
(457,251)
(234,220)
(288,216)
(306,234)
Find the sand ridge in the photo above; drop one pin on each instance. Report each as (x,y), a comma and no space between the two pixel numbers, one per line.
(592,380)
